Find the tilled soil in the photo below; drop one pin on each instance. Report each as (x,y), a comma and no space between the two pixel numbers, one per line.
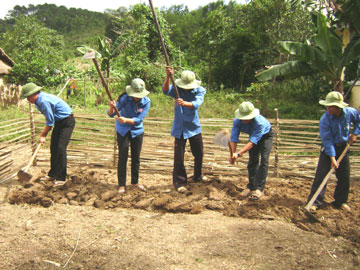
(86,224)
(284,199)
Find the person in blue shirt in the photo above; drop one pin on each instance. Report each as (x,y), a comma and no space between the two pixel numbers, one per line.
(335,128)
(248,120)
(58,116)
(133,106)
(186,125)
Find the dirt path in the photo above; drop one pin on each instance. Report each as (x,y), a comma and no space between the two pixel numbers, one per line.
(208,228)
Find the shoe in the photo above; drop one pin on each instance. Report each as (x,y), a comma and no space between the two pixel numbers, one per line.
(245,193)
(59,183)
(140,187)
(256,195)
(121,190)
(314,208)
(181,189)
(201,178)
(345,207)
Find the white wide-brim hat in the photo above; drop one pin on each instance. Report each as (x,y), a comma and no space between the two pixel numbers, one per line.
(137,89)
(246,111)
(187,80)
(334,98)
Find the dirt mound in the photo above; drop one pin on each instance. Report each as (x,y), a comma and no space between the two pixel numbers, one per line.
(283,199)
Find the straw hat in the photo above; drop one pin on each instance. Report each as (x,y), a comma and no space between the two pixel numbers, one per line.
(187,80)
(29,89)
(137,89)
(334,98)
(246,111)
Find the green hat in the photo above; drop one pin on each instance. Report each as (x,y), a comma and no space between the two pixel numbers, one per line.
(29,89)
(187,80)
(137,89)
(334,98)
(246,111)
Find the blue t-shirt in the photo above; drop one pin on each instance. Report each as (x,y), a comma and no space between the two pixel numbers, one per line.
(186,121)
(335,130)
(137,111)
(258,127)
(52,107)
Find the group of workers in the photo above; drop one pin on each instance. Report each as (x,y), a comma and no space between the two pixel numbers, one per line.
(133,106)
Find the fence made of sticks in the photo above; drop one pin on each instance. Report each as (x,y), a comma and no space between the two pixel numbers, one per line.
(93,144)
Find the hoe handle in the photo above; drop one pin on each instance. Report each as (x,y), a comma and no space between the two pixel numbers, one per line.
(105,84)
(163,47)
(327,177)
(32,157)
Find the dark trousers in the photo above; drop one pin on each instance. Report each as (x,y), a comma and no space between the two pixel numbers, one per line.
(197,150)
(257,172)
(136,144)
(60,138)
(342,174)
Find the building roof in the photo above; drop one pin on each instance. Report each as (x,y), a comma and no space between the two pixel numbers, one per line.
(6,63)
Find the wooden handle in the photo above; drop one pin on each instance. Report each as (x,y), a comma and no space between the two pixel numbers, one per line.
(105,85)
(163,47)
(324,181)
(230,149)
(32,157)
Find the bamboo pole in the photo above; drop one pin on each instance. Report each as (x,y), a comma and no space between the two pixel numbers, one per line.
(85,93)
(277,132)
(115,145)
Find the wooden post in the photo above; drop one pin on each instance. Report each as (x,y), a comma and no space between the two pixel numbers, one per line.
(276,145)
(32,130)
(85,92)
(115,146)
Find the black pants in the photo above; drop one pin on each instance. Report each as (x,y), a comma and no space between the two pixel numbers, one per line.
(136,144)
(342,174)
(60,138)
(257,172)
(197,150)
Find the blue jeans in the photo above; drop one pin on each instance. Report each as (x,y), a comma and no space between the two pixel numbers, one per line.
(257,172)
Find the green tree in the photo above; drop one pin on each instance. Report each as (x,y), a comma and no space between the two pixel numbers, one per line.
(325,56)
(36,50)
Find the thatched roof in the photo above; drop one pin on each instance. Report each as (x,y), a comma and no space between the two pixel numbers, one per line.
(6,63)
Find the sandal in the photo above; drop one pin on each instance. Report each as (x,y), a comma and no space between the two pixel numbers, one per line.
(140,187)
(121,190)
(256,195)
(59,183)
(245,193)
(182,189)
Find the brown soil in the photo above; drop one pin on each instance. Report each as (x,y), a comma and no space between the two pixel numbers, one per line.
(87,223)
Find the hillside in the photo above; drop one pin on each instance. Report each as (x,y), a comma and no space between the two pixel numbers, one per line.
(78,26)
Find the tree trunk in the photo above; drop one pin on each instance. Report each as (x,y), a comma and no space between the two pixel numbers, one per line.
(339,86)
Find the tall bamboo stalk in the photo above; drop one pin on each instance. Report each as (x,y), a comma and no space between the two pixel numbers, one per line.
(32,130)
(277,141)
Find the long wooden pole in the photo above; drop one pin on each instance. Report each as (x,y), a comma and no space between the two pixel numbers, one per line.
(163,47)
(105,85)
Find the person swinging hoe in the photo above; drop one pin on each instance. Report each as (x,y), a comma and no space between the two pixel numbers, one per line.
(335,126)
(248,120)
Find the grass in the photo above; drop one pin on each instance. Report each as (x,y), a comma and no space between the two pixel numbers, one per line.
(216,105)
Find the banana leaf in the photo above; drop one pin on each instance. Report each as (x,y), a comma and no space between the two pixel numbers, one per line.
(291,69)
(303,52)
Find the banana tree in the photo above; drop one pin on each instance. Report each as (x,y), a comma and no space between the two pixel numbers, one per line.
(326,56)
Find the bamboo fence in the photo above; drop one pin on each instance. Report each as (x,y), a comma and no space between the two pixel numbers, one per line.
(93,144)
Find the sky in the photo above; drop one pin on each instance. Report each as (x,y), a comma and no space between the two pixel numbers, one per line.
(100,5)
